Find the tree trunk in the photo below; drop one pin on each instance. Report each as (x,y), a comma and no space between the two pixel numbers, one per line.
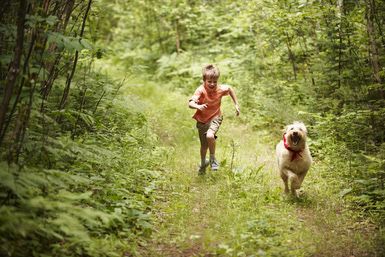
(4,5)
(25,121)
(13,148)
(379,25)
(52,66)
(308,64)
(14,69)
(18,94)
(291,55)
(177,37)
(373,50)
(70,76)
(340,4)
(97,104)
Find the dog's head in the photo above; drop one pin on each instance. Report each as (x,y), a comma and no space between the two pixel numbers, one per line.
(295,134)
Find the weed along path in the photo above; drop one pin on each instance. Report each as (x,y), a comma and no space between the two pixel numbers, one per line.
(240,210)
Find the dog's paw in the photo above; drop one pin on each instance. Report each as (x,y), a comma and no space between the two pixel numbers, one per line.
(300,192)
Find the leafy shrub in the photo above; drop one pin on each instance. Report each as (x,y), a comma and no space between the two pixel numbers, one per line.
(90,195)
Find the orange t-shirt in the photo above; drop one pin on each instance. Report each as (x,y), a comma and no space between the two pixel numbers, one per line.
(211,97)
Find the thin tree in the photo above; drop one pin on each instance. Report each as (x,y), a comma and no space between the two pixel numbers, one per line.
(14,68)
(72,73)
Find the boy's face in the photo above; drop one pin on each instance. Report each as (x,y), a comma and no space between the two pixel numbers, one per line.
(211,83)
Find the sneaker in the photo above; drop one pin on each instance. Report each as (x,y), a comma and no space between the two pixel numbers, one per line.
(202,169)
(214,164)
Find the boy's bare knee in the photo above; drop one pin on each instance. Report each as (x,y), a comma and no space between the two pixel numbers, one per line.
(210,136)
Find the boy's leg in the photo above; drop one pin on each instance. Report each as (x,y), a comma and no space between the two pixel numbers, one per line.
(211,145)
(210,135)
(203,155)
(211,142)
(202,130)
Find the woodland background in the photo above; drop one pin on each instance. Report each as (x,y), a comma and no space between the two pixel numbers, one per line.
(79,160)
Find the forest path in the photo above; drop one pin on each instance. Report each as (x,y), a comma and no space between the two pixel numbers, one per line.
(239,210)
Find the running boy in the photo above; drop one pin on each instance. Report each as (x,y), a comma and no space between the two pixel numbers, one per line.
(207,101)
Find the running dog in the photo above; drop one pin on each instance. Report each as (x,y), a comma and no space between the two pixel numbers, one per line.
(293,157)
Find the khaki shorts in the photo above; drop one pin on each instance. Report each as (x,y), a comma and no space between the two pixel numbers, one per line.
(212,125)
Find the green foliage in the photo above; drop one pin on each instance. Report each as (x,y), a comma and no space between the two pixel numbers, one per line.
(68,43)
(287,60)
(81,179)
(100,186)
(80,164)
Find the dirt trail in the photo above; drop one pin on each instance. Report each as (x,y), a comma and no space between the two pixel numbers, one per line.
(240,210)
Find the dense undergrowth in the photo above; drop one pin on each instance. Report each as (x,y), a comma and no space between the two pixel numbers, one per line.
(79,163)
(80,158)
(88,195)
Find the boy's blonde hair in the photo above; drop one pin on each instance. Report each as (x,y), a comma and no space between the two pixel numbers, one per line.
(210,71)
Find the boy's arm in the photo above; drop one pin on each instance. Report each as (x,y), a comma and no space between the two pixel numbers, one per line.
(193,102)
(235,100)
(193,105)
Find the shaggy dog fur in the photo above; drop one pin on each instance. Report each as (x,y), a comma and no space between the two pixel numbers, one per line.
(293,156)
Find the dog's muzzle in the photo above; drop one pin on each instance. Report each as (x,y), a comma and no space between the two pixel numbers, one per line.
(295,138)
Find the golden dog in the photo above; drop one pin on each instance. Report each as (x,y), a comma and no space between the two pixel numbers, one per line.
(293,157)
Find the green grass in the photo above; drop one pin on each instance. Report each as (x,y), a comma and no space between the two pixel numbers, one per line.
(240,210)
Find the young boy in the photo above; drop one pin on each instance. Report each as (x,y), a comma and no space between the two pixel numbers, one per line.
(207,101)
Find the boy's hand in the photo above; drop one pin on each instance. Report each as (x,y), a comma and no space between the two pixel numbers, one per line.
(237,110)
(201,107)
